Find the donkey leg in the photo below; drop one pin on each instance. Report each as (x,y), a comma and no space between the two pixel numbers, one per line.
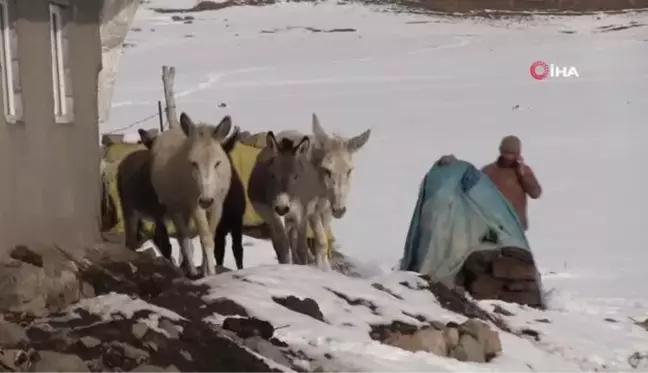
(327,217)
(206,240)
(181,223)
(236,231)
(161,238)
(291,232)
(277,231)
(302,242)
(131,224)
(219,242)
(320,242)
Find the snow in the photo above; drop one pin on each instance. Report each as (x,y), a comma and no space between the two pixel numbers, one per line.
(427,86)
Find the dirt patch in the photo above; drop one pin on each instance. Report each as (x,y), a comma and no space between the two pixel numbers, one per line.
(380,332)
(246,327)
(480,8)
(355,301)
(611,28)
(311,29)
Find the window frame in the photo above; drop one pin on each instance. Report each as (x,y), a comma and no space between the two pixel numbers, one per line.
(11,109)
(61,84)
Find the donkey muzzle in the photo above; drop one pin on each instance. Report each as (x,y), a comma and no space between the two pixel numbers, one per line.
(338,212)
(281,210)
(205,203)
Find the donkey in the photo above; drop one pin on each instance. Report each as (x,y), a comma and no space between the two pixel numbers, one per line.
(332,157)
(283,183)
(191,175)
(138,199)
(231,221)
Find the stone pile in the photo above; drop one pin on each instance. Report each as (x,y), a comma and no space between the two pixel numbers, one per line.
(508,274)
(472,341)
(43,328)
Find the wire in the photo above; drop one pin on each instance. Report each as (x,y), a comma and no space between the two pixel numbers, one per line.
(133,124)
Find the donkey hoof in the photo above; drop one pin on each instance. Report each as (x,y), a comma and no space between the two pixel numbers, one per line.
(209,270)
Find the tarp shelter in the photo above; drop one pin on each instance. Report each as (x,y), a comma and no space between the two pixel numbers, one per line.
(459,211)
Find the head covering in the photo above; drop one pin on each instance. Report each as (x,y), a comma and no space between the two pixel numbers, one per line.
(511,144)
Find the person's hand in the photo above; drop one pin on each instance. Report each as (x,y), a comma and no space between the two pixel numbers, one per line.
(521,167)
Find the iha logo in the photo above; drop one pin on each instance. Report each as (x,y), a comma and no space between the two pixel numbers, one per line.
(540,70)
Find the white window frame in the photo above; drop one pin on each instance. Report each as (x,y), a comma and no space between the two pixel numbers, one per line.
(8,89)
(59,89)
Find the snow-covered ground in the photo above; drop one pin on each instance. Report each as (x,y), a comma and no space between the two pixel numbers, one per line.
(429,86)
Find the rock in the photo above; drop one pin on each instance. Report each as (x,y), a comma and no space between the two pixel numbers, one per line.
(14,359)
(11,334)
(452,337)
(50,361)
(89,341)
(267,349)
(170,328)
(486,337)
(428,340)
(480,262)
(148,368)
(139,330)
(23,288)
(25,254)
(509,268)
(486,287)
(227,307)
(522,286)
(306,306)
(130,352)
(64,285)
(468,349)
(246,327)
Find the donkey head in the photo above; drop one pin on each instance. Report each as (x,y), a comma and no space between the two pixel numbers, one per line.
(334,156)
(207,148)
(284,169)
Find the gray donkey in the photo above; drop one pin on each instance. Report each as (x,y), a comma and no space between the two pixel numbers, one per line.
(191,173)
(283,184)
(332,158)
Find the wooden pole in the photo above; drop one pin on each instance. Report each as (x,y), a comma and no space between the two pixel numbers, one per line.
(160,116)
(168,76)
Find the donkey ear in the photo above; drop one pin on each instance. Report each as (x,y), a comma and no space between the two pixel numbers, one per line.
(271,142)
(146,138)
(186,124)
(230,141)
(302,147)
(318,131)
(355,143)
(223,128)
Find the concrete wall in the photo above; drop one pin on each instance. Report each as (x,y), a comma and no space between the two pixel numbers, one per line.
(49,189)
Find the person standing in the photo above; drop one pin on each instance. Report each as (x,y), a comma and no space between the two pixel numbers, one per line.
(513,177)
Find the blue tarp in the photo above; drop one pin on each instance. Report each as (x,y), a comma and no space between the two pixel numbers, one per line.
(459,211)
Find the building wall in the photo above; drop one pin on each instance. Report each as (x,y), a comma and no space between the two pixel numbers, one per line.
(49,188)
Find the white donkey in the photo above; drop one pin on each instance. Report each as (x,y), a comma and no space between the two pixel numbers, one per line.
(332,157)
(191,173)
(284,184)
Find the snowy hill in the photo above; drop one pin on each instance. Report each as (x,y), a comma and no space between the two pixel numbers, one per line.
(429,86)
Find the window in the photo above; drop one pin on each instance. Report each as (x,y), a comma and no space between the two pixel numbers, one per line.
(60,71)
(11,90)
